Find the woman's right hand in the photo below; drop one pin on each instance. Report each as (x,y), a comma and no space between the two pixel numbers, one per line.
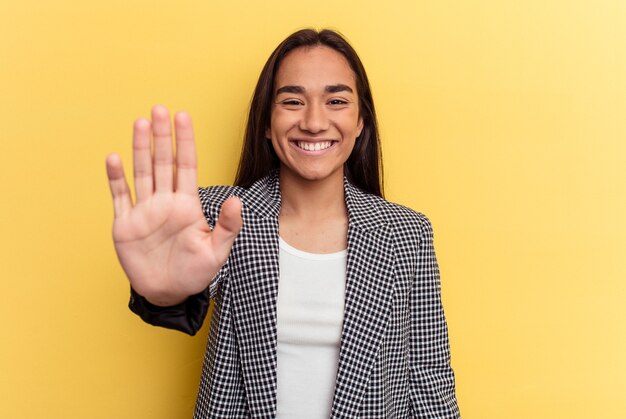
(163,241)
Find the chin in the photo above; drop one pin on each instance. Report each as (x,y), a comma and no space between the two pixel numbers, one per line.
(316,175)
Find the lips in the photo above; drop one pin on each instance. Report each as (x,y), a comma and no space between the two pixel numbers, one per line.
(313,145)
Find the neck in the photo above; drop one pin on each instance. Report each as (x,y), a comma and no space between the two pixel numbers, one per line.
(312,199)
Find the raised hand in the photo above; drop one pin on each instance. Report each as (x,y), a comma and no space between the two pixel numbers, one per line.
(163,241)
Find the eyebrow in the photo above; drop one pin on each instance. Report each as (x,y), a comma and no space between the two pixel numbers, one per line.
(334,88)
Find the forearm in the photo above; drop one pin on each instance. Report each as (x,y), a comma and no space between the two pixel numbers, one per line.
(432,378)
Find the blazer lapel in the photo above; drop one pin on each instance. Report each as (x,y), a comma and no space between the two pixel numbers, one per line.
(254,283)
(369,292)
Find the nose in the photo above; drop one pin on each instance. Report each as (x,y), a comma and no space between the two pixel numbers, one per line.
(314,118)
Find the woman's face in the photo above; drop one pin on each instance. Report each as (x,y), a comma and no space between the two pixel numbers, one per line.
(315,116)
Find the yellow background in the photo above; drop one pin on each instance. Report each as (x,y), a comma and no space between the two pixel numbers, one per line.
(503,121)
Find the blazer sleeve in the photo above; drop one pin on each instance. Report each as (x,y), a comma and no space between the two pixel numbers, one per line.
(432,378)
(186,317)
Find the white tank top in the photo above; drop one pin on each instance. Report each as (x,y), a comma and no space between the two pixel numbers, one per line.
(310,305)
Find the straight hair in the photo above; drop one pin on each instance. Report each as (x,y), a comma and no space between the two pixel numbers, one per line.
(364,165)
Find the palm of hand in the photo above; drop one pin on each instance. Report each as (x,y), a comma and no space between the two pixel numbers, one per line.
(163,242)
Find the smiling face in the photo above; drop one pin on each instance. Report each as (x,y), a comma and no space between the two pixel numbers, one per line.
(315,116)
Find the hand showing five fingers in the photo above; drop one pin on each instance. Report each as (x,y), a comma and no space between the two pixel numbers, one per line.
(163,241)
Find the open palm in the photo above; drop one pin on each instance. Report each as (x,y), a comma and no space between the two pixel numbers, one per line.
(163,241)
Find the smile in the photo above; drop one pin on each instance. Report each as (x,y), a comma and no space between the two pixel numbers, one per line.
(313,146)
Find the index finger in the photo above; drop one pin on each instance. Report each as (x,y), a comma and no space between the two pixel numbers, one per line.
(186,163)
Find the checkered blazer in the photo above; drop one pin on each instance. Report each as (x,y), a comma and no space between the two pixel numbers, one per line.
(394,360)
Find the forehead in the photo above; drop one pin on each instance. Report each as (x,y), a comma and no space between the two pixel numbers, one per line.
(312,67)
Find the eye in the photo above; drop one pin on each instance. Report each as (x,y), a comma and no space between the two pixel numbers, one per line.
(338,102)
(291,102)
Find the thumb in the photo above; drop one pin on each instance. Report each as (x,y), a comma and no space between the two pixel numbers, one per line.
(228,225)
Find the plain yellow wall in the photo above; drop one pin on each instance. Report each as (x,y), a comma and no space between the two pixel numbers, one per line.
(503,121)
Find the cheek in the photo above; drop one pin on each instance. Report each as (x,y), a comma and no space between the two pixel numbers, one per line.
(279,147)
(279,124)
(353,125)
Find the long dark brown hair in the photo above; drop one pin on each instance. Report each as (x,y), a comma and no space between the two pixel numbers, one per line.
(364,166)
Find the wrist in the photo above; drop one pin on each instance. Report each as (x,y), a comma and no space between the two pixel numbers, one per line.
(159,297)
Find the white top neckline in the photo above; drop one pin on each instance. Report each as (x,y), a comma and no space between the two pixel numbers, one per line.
(308,255)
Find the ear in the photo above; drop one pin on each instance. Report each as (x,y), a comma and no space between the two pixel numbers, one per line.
(359,126)
(268,133)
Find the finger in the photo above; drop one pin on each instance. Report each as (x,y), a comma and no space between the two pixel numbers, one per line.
(162,136)
(186,165)
(228,226)
(122,201)
(142,160)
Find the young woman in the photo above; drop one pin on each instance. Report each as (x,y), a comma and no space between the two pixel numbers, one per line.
(326,296)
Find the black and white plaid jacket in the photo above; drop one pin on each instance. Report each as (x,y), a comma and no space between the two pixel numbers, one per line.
(394,359)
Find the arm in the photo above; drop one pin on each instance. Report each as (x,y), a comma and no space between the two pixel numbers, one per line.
(432,378)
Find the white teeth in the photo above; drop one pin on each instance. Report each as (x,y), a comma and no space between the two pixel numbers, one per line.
(314,146)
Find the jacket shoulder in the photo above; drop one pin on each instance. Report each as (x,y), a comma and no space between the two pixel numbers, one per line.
(212,198)
(405,218)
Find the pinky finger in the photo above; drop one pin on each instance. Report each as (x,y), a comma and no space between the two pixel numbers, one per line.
(120,193)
